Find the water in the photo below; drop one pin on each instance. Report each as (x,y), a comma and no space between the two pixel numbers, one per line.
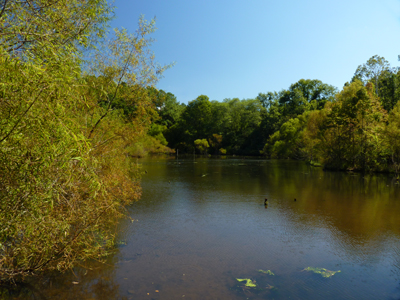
(202,223)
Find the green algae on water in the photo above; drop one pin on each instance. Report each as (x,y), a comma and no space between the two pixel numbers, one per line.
(249,282)
(268,272)
(324,272)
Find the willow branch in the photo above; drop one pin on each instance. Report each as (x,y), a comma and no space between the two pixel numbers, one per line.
(3,9)
(115,93)
(23,115)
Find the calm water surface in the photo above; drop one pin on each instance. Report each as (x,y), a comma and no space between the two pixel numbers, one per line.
(202,223)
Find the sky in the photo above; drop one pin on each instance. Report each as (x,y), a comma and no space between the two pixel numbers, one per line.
(238,49)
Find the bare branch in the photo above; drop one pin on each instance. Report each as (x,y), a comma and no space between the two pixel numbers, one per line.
(23,115)
(3,9)
(115,93)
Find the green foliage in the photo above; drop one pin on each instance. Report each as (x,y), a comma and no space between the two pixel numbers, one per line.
(249,282)
(324,272)
(312,136)
(215,142)
(268,272)
(268,99)
(243,118)
(228,124)
(391,137)
(37,29)
(247,125)
(156,131)
(389,93)
(146,144)
(349,133)
(377,70)
(195,123)
(311,120)
(168,108)
(287,142)
(197,117)
(201,145)
(306,95)
(65,177)
(372,70)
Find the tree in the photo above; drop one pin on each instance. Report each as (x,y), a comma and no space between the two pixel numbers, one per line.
(243,117)
(37,27)
(170,111)
(201,145)
(389,93)
(64,174)
(313,137)
(195,122)
(126,58)
(219,117)
(306,95)
(372,69)
(197,117)
(284,107)
(215,142)
(48,210)
(351,131)
(287,142)
(268,99)
(392,137)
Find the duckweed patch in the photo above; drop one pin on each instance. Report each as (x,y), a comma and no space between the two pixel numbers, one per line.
(322,271)
(268,272)
(249,282)
(256,285)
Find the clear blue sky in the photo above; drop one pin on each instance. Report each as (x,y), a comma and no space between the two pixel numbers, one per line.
(237,49)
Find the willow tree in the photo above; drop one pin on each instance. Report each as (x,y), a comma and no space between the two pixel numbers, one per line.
(62,183)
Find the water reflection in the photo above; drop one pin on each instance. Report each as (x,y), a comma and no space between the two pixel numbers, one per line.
(338,220)
(203,223)
(94,281)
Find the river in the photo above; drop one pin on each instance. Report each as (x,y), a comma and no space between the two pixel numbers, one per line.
(202,224)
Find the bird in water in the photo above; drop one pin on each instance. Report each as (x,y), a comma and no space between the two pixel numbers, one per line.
(295,200)
(266,201)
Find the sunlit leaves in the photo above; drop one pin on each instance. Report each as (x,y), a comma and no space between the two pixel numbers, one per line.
(372,70)
(127,57)
(201,145)
(348,133)
(39,28)
(62,192)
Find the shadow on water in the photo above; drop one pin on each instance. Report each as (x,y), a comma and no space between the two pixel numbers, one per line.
(95,281)
(202,224)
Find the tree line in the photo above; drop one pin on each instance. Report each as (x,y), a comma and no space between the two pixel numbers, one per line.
(356,128)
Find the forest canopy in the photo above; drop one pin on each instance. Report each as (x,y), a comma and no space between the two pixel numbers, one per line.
(352,129)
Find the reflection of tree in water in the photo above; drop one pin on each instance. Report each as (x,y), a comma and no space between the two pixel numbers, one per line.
(358,205)
(20,291)
(361,206)
(96,283)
